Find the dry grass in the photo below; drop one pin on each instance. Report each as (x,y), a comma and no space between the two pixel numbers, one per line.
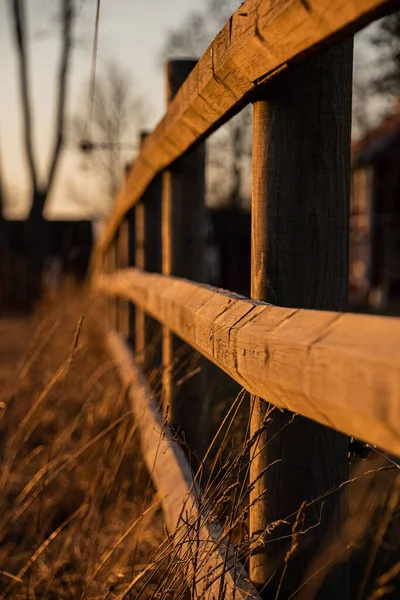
(81,520)
(72,479)
(367,542)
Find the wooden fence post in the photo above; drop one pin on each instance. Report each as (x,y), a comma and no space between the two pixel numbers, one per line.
(140,342)
(258,565)
(122,262)
(114,266)
(152,200)
(130,218)
(106,306)
(111,303)
(183,255)
(300,229)
(148,257)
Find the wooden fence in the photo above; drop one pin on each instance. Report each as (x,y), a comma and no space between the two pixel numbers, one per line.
(339,373)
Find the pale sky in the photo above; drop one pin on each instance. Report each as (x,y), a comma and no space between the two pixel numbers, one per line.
(131,32)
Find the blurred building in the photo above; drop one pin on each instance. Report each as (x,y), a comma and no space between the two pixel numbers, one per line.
(375,219)
(67,246)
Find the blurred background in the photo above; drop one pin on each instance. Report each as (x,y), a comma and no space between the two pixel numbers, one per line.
(70,121)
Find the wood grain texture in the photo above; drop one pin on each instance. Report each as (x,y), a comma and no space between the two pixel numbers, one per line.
(341,370)
(259,568)
(181,499)
(305,166)
(110,266)
(259,40)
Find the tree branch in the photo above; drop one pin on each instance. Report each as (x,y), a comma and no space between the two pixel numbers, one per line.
(68,11)
(18,12)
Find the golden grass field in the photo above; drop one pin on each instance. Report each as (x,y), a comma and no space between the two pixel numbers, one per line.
(79,517)
(72,479)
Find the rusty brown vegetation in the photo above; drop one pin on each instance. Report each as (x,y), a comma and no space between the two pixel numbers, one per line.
(75,495)
(80,518)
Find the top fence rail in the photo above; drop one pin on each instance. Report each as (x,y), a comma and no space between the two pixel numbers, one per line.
(260,39)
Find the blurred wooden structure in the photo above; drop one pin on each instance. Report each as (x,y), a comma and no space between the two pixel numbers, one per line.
(375,219)
(67,248)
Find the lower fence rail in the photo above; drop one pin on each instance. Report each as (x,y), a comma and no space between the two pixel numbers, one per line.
(211,563)
(341,370)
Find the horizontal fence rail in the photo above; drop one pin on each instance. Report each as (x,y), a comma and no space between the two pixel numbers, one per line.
(259,40)
(342,370)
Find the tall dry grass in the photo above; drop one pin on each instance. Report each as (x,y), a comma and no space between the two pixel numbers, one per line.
(80,518)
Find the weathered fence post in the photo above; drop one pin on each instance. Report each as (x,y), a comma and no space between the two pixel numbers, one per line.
(300,228)
(114,266)
(111,303)
(122,262)
(106,304)
(259,571)
(183,251)
(140,342)
(130,219)
(148,257)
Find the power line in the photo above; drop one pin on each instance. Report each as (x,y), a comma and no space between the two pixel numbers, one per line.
(86,144)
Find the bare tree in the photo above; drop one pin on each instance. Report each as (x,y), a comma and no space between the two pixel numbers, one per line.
(40,189)
(387,41)
(111,134)
(199,29)
(362,110)
(230,147)
(376,84)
